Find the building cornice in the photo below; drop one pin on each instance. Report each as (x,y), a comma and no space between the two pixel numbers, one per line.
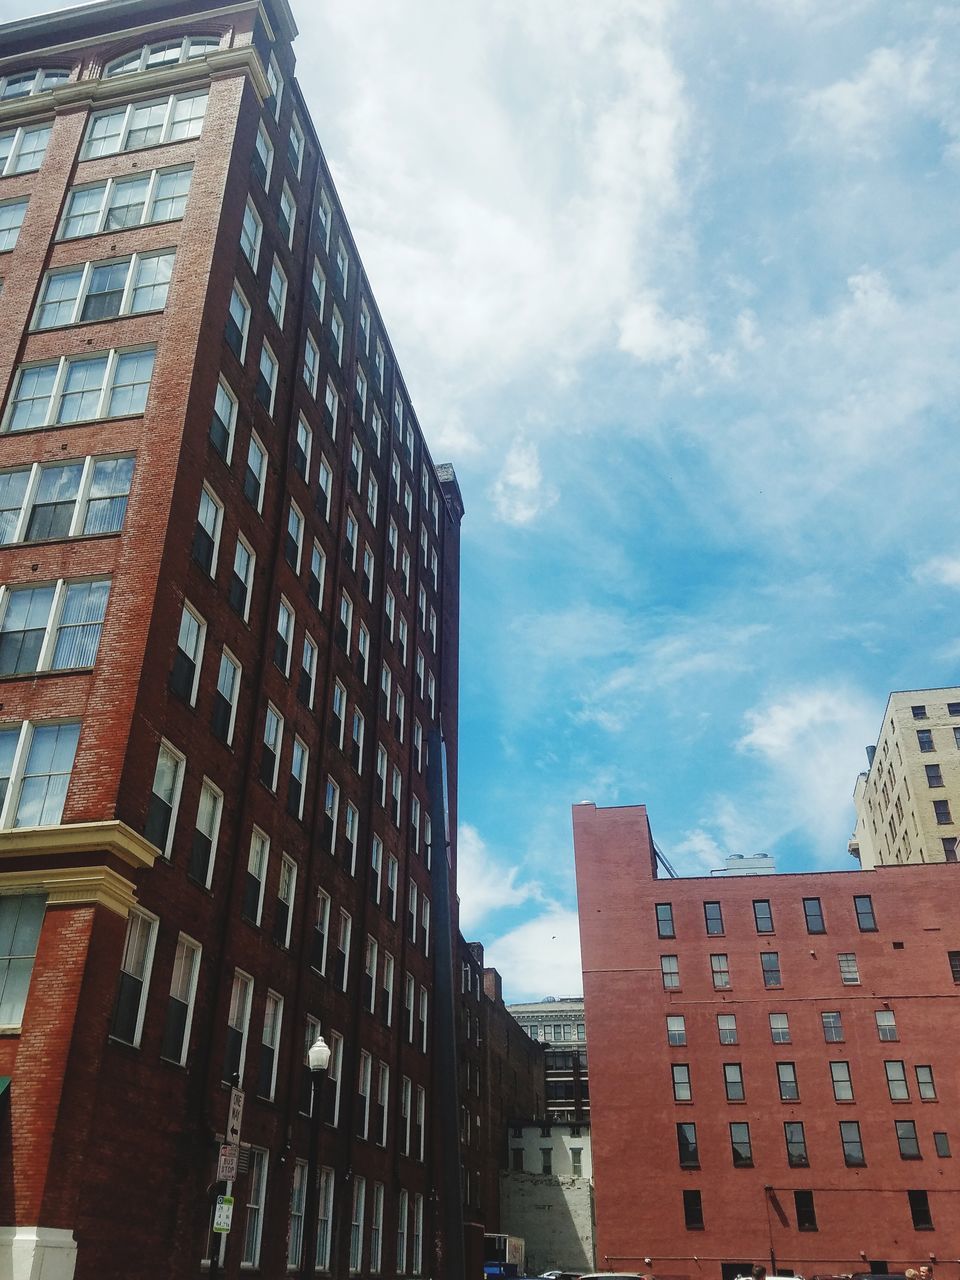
(113,837)
(75,886)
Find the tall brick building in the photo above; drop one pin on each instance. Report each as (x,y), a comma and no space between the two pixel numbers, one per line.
(228,632)
(772,1060)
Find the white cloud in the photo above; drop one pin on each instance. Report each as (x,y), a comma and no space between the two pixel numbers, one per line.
(540,957)
(943,571)
(520,493)
(653,337)
(484,884)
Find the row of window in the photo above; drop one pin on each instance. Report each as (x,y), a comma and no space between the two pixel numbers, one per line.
(104,384)
(741,1145)
(789,1087)
(556,1031)
(925,738)
(763,916)
(918,1203)
(770,970)
(831,1023)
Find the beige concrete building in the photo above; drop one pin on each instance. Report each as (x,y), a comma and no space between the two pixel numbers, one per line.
(908,800)
(546,1196)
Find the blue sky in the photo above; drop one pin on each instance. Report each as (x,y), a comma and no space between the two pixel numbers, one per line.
(675,287)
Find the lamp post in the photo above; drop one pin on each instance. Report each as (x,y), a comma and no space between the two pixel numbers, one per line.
(318,1060)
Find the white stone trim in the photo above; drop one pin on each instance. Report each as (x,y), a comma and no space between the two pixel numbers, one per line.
(37,1253)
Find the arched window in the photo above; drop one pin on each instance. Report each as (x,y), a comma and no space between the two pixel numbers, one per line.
(37,80)
(162,54)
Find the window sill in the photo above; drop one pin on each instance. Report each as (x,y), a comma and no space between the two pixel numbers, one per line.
(40,675)
(11,1030)
(65,426)
(85,324)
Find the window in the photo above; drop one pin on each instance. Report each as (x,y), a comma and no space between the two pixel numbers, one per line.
(934,776)
(392,875)
(70,499)
(372,497)
(302,446)
(256,876)
(832,1027)
(183,986)
(842,1083)
(22,150)
(920,1210)
(205,834)
(733,1081)
(676,1030)
(109,384)
(185,673)
(331,809)
(293,541)
(277,294)
(897,1081)
(417,1234)
(686,1146)
(925,739)
(376,1229)
(770,966)
(240,588)
(21,916)
(941,810)
(272,740)
(681,1082)
(692,1211)
(164,798)
(306,683)
(670,972)
(255,473)
(954,958)
(925,1083)
(295,145)
(163,54)
(360,394)
(740,1146)
(157,196)
(351,831)
(342,960)
(950,842)
(269,1046)
(238,323)
(796,1144)
(720,970)
(356,1223)
(813,913)
(25,83)
(324,1218)
(287,215)
(318,568)
(276,86)
(779,1028)
(402,1215)
(35,765)
(143,124)
(665,928)
(256,1195)
(11,220)
(238,1020)
(324,488)
(104,290)
(713,917)
(266,389)
(866,920)
(345,623)
(251,232)
(206,534)
(941,1142)
(387,990)
(849,973)
(135,967)
(727,1028)
(336,335)
(886,1024)
(54,626)
(806,1211)
(852,1144)
(787,1080)
(262,159)
(299,759)
(224,421)
(298,1192)
(907,1140)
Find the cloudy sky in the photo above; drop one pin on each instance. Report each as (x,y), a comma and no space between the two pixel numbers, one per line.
(675,287)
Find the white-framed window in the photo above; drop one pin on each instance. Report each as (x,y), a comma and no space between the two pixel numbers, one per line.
(335,1076)
(238,1023)
(164,54)
(240,590)
(432,693)
(393,873)
(370,960)
(262,164)
(324,217)
(373,493)
(238,323)
(324,487)
(356,1223)
(255,473)
(343,265)
(389,968)
(434,568)
(251,233)
(69,499)
(339,709)
(417,1267)
(185,674)
(144,124)
(396,787)
(272,742)
(376,426)
(275,81)
(277,293)
(406,1114)
(298,1195)
(364,1078)
(311,364)
(425,923)
(22,150)
(428,840)
(295,145)
(317,575)
(364,327)
(355,473)
(336,335)
(343,950)
(345,624)
(267,377)
(223,423)
(357,729)
(269,1046)
(51,626)
(403,1212)
(393,541)
(376,1229)
(321,934)
(382,774)
(433,629)
(368,571)
(135,966)
(183,991)
(299,763)
(422,606)
(23,84)
(360,394)
(376,868)
(400,710)
(408,504)
(11,220)
(293,542)
(206,536)
(318,287)
(226,696)
(159,195)
(331,406)
(253,886)
(256,1199)
(380,362)
(398,413)
(363,652)
(324,1218)
(405,570)
(287,215)
(409,1005)
(306,685)
(351,831)
(206,833)
(849,971)
(418,745)
(165,798)
(108,384)
(286,891)
(283,639)
(331,809)
(424,1010)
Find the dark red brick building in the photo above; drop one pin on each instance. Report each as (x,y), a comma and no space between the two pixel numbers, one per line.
(773,1062)
(229,582)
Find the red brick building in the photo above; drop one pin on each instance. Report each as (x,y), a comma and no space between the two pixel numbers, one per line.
(773,1062)
(229,582)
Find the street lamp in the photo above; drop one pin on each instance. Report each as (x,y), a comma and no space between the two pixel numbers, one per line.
(318,1060)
